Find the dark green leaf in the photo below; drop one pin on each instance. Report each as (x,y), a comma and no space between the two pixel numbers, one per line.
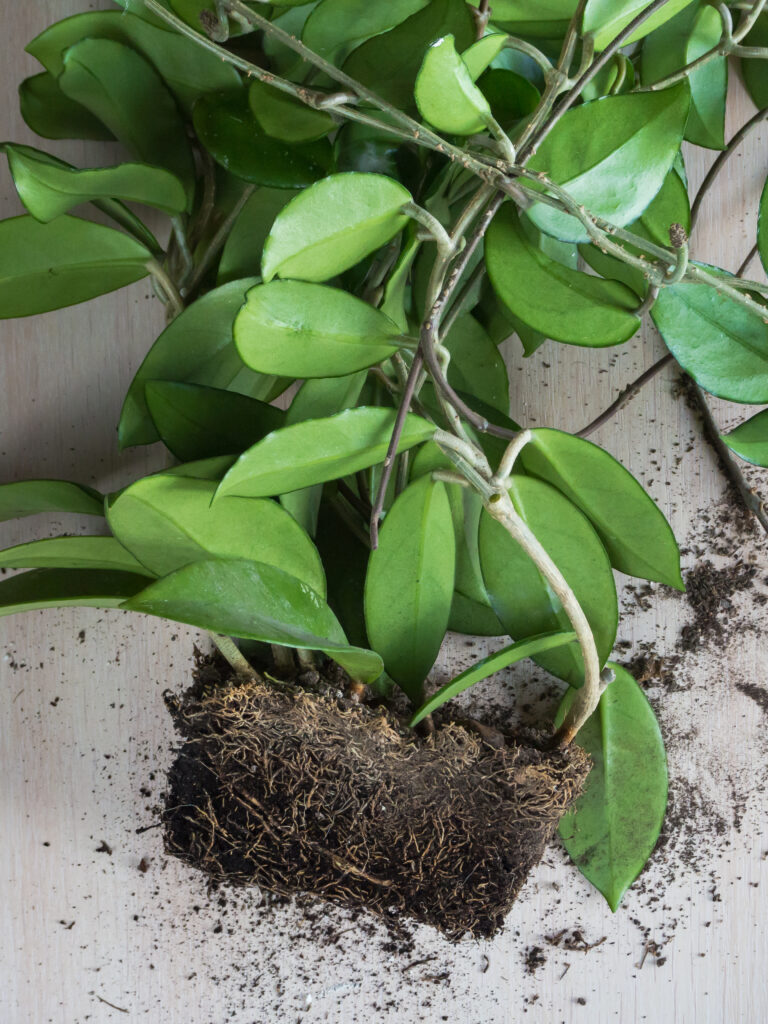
(227,128)
(762,228)
(67,588)
(510,95)
(51,114)
(753,71)
(28,497)
(545,19)
(563,304)
(241,256)
(409,585)
(614,825)
(196,422)
(255,602)
(637,537)
(446,94)
(345,559)
(520,597)
(318,450)
(48,266)
(476,367)
(750,440)
(606,18)
(71,553)
(332,225)
(169,521)
(335,26)
(282,116)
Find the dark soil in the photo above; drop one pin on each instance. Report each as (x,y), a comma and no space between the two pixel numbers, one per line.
(300,792)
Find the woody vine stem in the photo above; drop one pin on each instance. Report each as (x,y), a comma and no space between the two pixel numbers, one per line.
(501,169)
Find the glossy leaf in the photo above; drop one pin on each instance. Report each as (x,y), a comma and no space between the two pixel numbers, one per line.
(750,440)
(446,94)
(196,422)
(227,128)
(52,115)
(255,602)
(615,823)
(520,597)
(241,255)
(332,225)
(545,19)
(196,348)
(336,26)
(762,228)
(637,537)
(169,521)
(753,71)
(124,91)
(612,155)
(48,266)
(510,95)
(48,187)
(297,329)
(71,553)
(28,497)
(388,64)
(722,345)
(318,450)
(488,666)
(476,367)
(693,32)
(283,117)
(480,55)
(606,18)
(67,588)
(563,304)
(409,584)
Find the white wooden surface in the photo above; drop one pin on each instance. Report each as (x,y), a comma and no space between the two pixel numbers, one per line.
(84,735)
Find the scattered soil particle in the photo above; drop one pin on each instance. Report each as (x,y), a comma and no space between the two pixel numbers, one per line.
(104,848)
(756,693)
(710,593)
(533,959)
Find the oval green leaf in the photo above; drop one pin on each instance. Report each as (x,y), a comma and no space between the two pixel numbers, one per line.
(282,116)
(446,94)
(546,19)
(606,18)
(335,26)
(762,227)
(28,497)
(71,553)
(241,255)
(750,440)
(67,588)
(51,114)
(753,71)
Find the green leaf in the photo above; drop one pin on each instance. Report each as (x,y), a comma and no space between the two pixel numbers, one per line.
(753,71)
(409,584)
(227,128)
(51,114)
(48,187)
(71,553)
(241,256)
(169,521)
(389,63)
(333,224)
(319,450)
(196,422)
(488,666)
(480,55)
(345,559)
(255,602)
(67,588)
(612,156)
(614,824)
(335,26)
(476,367)
(691,33)
(750,440)
(563,304)
(48,266)
(282,116)
(762,227)
(125,92)
(606,18)
(195,348)
(637,537)
(510,95)
(297,329)
(188,70)
(446,94)
(545,19)
(28,497)
(719,342)
(522,599)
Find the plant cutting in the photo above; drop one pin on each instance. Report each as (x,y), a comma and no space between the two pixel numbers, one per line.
(345,209)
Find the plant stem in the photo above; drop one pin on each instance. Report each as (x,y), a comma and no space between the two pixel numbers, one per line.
(217,242)
(720,162)
(747,260)
(229,649)
(168,288)
(626,395)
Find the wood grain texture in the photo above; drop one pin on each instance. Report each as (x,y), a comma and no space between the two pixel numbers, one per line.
(84,736)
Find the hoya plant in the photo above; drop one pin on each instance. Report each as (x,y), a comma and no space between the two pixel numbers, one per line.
(346,207)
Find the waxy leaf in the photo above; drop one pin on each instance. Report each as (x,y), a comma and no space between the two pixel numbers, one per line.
(480,55)
(446,94)
(67,588)
(169,521)
(283,117)
(319,450)
(335,26)
(750,440)
(226,126)
(488,666)
(522,599)
(49,187)
(762,228)
(722,345)
(333,224)
(195,348)
(241,255)
(606,18)
(546,19)
(637,537)
(196,422)
(51,114)
(614,824)
(71,553)
(409,584)
(125,92)
(255,602)
(612,156)
(510,95)
(753,71)
(48,266)
(476,367)
(560,303)
(28,497)
(297,329)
